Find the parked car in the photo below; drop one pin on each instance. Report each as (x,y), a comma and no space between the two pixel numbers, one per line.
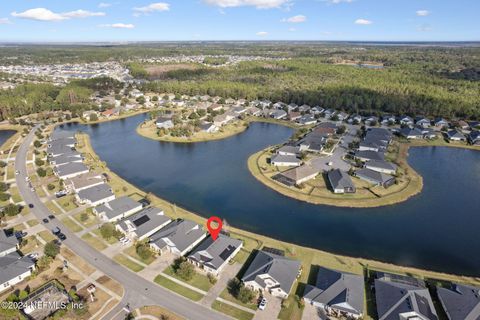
(263,304)
(17,172)
(51,217)
(30,205)
(61,193)
(56,231)
(20,234)
(61,236)
(124,241)
(33,255)
(45,220)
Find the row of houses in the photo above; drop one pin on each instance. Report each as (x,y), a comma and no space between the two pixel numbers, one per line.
(14,267)
(342,295)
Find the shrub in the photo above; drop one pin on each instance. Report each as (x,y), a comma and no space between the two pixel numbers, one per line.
(211,278)
(107,230)
(11,210)
(3,164)
(50,186)
(84,217)
(39,162)
(3,187)
(22,294)
(143,251)
(51,249)
(4,196)
(41,172)
(245,294)
(183,269)
(93,117)
(37,144)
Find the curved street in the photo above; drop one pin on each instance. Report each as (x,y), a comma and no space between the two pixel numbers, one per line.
(138,291)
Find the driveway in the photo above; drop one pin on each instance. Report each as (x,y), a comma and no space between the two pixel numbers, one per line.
(311,313)
(229,272)
(274,305)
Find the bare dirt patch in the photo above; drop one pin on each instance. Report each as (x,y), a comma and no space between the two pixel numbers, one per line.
(159,71)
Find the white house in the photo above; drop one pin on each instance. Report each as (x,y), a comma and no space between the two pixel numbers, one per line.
(178,237)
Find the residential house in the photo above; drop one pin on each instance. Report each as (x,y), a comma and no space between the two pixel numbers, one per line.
(83,181)
(317,110)
(285,161)
(87,114)
(411,133)
(441,123)
(178,237)
(340,294)
(73,156)
(342,116)
(95,195)
(164,122)
(454,135)
(306,120)
(462,125)
(375,177)
(381,166)
(296,176)
(402,297)
(428,133)
(313,142)
(273,273)
(239,110)
(209,127)
(213,255)
(117,209)
(388,120)
(328,113)
(326,128)
(111,112)
(460,302)
(368,155)
(14,268)
(423,122)
(7,244)
(406,121)
(230,101)
(370,121)
(474,138)
(294,116)
(288,151)
(278,114)
(355,119)
(143,224)
(70,170)
(304,108)
(223,119)
(58,135)
(254,111)
(279,105)
(340,182)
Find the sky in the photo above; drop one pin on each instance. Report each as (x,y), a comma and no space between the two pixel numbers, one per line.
(187,20)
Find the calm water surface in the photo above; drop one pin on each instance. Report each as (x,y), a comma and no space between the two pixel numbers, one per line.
(5,135)
(438,229)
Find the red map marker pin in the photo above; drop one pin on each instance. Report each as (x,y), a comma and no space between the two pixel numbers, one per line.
(214,231)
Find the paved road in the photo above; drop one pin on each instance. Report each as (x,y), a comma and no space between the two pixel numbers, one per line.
(138,291)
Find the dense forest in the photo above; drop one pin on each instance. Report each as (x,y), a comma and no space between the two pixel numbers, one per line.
(429,79)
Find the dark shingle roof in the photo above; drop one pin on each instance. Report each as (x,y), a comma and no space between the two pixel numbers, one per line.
(214,253)
(340,179)
(460,302)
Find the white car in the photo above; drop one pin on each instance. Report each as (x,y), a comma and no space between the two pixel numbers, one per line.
(263,304)
(33,255)
(17,172)
(124,241)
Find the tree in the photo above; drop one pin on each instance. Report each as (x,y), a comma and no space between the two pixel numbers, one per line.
(37,144)
(107,231)
(3,164)
(11,210)
(3,187)
(4,196)
(183,269)
(143,250)
(50,186)
(93,117)
(51,249)
(23,294)
(245,294)
(41,172)
(39,162)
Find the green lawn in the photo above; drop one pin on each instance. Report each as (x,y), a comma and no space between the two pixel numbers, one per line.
(135,267)
(46,235)
(91,221)
(94,242)
(32,223)
(32,245)
(181,290)
(133,253)
(67,203)
(53,208)
(111,240)
(15,195)
(70,224)
(231,311)
(292,309)
(199,281)
(227,296)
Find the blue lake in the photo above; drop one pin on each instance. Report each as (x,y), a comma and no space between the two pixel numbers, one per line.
(438,229)
(5,135)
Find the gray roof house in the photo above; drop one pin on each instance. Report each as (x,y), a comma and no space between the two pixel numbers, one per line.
(212,255)
(84,181)
(411,133)
(296,176)
(61,134)
(375,177)
(278,114)
(340,181)
(73,156)
(95,195)
(117,209)
(58,149)
(70,170)
(272,272)
(460,302)
(178,237)
(285,161)
(368,155)
(288,151)
(402,297)
(381,166)
(143,224)
(454,135)
(14,269)
(339,293)
(164,122)
(7,244)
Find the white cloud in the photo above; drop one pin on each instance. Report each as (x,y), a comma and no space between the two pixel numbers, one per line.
(82,14)
(153,7)
(259,4)
(422,13)
(118,26)
(363,21)
(262,33)
(424,28)
(5,21)
(296,19)
(43,14)
(104,5)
